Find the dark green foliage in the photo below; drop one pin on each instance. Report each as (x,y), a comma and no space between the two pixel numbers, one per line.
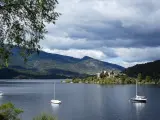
(158,82)
(67,81)
(139,77)
(22,25)
(122,79)
(9,112)
(10,73)
(119,79)
(2,117)
(45,116)
(76,80)
(148,69)
(102,75)
(148,79)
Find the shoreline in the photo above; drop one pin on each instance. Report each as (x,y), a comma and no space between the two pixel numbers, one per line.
(110,81)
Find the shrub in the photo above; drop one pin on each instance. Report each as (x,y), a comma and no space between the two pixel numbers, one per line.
(9,112)
(45,116)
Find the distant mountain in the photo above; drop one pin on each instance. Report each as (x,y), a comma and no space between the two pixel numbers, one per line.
(151,69)
(47,64)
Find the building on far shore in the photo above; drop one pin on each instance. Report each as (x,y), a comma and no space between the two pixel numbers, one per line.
(110,74)
(98,75)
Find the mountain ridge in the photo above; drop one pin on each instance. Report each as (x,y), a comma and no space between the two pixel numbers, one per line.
(55,64)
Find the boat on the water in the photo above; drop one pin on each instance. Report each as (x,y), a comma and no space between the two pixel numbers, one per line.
(141,99)
(54,101)
(1,93)
(137,98)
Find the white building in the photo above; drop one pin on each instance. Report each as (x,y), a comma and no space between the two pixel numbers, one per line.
(98,75)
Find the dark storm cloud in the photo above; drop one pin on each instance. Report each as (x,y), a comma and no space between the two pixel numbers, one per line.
(118,28)
(119,36)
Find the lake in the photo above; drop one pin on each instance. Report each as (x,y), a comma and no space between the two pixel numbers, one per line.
(81,101)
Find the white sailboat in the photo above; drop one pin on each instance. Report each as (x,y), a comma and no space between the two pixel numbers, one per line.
(1,93)
(137,98)
(54,101)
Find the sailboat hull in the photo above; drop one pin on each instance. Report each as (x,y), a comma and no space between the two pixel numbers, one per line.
(56,101)
(139,100)
(1,93)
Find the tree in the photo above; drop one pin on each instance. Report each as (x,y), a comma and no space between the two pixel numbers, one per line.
(139,77)
(122,79)
(102,74)
(45,117)
(148,78)
(22,24)
(158,82)
(9,112)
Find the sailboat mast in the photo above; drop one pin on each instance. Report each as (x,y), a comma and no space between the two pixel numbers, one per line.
(54,90)
(136,87)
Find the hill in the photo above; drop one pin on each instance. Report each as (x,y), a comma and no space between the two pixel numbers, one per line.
(148,69)
(12,73)
(47,64)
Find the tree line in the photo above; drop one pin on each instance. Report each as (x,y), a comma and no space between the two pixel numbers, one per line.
(118,79)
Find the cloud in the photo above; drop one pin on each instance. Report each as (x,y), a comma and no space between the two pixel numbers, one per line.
(78,53)
(128,64)
(120,29)
(65,42)
(138,54)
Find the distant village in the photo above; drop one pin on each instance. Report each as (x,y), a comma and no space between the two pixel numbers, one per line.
(109,74)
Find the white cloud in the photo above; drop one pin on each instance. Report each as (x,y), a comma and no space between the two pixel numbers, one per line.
(127,64)
(65,42)
(138,54)
(78,53)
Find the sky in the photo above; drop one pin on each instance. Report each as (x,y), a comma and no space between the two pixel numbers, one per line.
(124,32)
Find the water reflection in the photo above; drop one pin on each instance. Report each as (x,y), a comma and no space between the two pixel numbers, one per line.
(82,101)
(55,108)
(139,106)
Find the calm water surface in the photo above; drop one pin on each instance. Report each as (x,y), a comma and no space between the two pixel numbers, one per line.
(81,101)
